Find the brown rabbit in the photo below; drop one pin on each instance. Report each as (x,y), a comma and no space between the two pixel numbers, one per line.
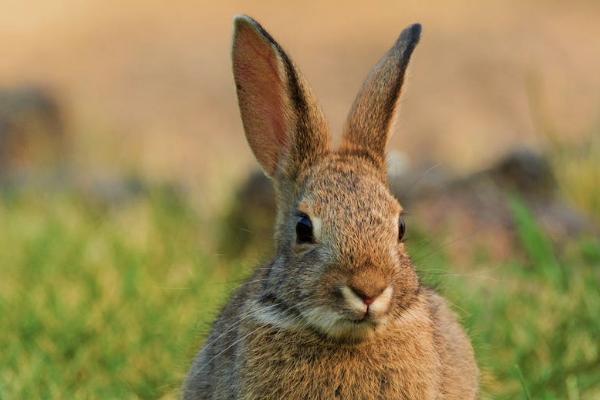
(339,312)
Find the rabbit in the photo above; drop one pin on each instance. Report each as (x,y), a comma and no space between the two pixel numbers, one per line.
(340,311)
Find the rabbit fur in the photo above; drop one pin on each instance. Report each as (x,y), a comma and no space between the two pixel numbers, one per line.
(342,315)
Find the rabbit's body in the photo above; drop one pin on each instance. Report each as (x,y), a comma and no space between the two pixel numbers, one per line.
(340,311)
(425,356)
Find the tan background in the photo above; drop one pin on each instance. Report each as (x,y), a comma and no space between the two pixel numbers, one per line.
(147,84)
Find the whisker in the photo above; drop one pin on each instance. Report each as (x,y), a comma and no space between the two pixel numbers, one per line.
(413,185)
(236,342)
(237,323)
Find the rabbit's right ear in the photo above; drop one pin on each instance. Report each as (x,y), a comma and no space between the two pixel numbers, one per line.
(284,126)
(371,118)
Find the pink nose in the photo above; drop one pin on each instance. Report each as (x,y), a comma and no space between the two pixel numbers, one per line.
(367,298)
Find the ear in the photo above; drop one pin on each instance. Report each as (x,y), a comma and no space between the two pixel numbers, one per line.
(283,124)
(373,113)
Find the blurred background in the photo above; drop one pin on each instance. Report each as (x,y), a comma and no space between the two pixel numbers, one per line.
(131,205)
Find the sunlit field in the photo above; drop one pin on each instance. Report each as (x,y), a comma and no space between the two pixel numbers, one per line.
(113,304)
(117,254)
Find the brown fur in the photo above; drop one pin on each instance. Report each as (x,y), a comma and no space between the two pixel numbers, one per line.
(289,332)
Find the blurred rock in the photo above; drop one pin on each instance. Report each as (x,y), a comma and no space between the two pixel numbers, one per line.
(112,191)
(249,222)
(34,153)
(474,210)
(32,133)
(101,192)
(525,172)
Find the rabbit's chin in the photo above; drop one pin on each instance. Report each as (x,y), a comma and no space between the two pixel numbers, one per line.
(336,326)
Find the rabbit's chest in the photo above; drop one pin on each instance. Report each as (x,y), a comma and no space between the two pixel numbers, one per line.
(284,370)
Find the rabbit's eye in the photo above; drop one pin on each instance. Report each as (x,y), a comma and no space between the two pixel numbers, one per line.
(304,229)
(401,228)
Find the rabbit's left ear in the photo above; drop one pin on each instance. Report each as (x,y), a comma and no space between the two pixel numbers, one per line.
(372,116)
(284,126)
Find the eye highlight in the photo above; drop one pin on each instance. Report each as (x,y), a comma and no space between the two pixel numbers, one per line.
(401,228)
(304,229)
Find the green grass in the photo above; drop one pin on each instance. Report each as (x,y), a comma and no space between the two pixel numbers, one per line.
(99,303)
(113,303)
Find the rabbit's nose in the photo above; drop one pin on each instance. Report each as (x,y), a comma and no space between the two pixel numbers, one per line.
(367,295)
(367,287)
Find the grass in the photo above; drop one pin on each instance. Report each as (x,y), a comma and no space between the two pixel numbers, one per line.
(113,303)
(102,304)
(578,170)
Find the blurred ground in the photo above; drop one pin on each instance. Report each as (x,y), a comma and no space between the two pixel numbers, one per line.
(148,86)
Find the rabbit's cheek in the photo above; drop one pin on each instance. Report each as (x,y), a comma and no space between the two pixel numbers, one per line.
(322,318)
(381,304)
(352,303)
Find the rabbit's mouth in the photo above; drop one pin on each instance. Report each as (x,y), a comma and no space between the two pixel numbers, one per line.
(353,315)
(341,326)
(341,322)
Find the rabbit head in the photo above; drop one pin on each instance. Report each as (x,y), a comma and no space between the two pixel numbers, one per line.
(341,269)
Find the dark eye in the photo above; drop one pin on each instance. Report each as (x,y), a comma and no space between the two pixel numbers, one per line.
(304,229)
(401,228)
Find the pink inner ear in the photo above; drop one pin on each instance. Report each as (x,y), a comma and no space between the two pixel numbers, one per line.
(261,93)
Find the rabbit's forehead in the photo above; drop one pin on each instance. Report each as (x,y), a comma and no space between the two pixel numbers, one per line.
(347,198)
